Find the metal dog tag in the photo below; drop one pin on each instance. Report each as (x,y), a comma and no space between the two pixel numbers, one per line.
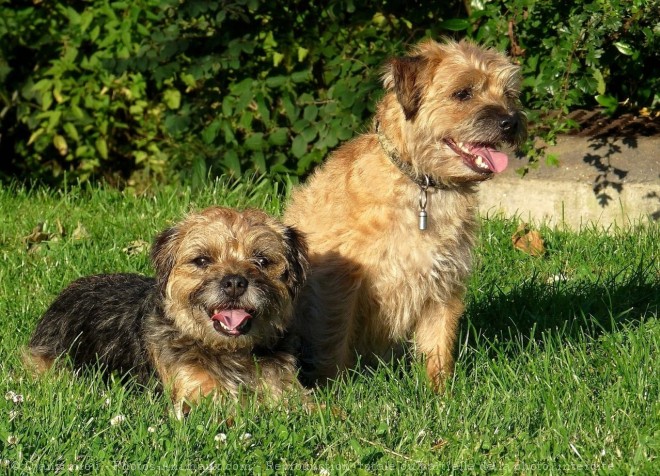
(422,219)
(422,203)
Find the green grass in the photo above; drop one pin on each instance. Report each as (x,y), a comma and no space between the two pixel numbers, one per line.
(557,371)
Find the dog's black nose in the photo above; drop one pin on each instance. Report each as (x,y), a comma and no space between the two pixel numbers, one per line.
(234,285)
(509,123)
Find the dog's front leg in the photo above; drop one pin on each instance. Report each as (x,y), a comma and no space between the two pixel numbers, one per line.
(435,338)
(188,385)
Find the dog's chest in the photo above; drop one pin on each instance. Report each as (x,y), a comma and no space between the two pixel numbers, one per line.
(411,268)
(423,258)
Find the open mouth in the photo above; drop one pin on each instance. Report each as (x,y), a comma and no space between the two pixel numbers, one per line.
(480,158)
(231,322)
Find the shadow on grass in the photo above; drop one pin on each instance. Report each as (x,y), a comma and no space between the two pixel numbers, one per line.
(569,310)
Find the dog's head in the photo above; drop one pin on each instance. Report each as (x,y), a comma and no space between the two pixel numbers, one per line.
(229,278)
(456,105)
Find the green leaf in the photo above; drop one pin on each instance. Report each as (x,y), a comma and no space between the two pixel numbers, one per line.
(177,124)
(71,131)
(309,133)
(228,132)
(228,106)
(276,81)
(259,161)
(610,103)
(60,144)
(382,429)
(43,85)
(344,133)
(35,135)
(245,122)
(311,112)
(188,79)
(454,24)
(279,136)
(102,147)
(255,141)
(172,98)
(302,53)
(210,132)
(598,76)
(290,108)
(74,16)
(262,108)
(300,76)
(277,58)
(300,125)
(94,34)
(552,160)
(624,48)
(86,19)
(299,146)
(231,162)
(359,450)
(327,138)
(46,100)
(54,119)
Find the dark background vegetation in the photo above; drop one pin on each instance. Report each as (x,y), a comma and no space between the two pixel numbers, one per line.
(146,91)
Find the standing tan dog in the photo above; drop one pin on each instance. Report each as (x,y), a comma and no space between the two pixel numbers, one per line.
(391,217)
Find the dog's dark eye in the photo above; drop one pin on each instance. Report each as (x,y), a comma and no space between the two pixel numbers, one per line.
(261,261)
(463,94)
(202,261)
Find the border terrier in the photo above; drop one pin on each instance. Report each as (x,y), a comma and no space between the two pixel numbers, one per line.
(211,322)
(391,219)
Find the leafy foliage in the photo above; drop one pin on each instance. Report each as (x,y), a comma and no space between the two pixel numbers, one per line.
(576,54)
(133,92)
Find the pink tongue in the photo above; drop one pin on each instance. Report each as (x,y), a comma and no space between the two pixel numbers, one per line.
(232,318)
(496,160)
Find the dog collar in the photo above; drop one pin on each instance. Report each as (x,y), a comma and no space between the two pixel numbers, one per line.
(423,181)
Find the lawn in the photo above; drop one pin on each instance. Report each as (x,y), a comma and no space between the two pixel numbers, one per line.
(557,370)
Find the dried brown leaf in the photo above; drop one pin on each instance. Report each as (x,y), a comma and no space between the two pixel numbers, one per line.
(528,241)
(439,444)
(37,236)
(136,247)
(80,233)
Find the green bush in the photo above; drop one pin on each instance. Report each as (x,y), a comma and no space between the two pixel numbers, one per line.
(574,54)
(158,90)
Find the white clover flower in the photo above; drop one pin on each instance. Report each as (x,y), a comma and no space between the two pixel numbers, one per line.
(12,439)
(220,438)
(246,436)
(151,429)
(117,420)
(14,397)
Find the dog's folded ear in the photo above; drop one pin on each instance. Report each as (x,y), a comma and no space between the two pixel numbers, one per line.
(402,76)
(297,259)
(163,252)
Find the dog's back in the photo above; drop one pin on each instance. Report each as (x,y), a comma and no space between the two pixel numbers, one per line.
(97,320)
